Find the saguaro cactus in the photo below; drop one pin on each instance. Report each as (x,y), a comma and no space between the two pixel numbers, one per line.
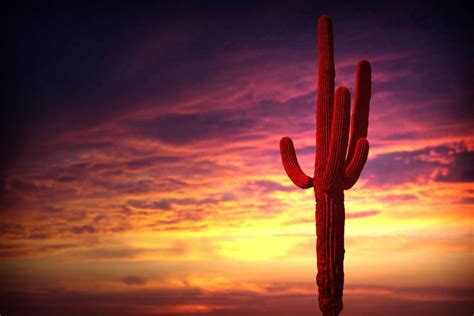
(334,171)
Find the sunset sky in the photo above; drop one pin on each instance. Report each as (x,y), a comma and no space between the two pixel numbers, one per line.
(140,171)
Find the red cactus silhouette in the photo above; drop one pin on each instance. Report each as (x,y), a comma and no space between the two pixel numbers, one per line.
(334,172)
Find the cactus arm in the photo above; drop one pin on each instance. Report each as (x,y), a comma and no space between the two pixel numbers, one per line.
(360,114)
(355,166)
(339,138)
(291,165)
(326,74)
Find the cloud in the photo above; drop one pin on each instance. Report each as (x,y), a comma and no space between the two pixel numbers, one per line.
(52,209)
(188,128)
(12,230)
(124,252)
(466,200)
(132,186)
(362,214)
(298,298)
(461,169)
(23,186)
(163,204)
(392,198)
(146,162)
(167,203)
(264,186)
(67,179)
(420,165)
(79,230)
(13,250)
(133,280)
(111,253)
(39,236)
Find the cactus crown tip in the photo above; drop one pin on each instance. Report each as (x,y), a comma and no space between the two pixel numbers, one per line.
(324,17)
(364,63)
(342,89)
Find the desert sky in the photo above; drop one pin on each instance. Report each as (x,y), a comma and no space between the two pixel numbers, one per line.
(140,170)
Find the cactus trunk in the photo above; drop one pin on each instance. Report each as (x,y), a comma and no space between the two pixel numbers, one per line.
(330,251)
(338,164)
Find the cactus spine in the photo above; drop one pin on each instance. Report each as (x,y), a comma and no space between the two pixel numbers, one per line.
(334,171)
